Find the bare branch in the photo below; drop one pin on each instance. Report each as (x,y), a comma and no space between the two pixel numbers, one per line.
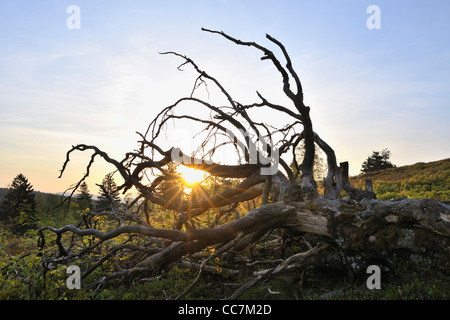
(200,216)
(267,55)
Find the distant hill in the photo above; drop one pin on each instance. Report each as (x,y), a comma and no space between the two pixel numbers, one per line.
(4,191)
(421,180)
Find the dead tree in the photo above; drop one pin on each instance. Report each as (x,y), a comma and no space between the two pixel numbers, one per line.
(352,233)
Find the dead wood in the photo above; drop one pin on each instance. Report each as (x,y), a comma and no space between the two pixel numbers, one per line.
(352,233)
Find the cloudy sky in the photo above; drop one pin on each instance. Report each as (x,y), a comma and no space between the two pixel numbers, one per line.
(98,84)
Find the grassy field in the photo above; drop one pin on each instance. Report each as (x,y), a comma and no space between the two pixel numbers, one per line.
(421,180)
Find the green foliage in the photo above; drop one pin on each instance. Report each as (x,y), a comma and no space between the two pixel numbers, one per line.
(404,283)
(24,278)
(377,161)
(108,193)
(18,207)
(23,210)
(51,211)
(169,284)
(421,180)
(84,197)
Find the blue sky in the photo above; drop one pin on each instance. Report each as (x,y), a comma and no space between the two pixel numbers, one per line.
(368,89)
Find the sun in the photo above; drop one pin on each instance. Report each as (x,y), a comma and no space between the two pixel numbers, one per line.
(191,176)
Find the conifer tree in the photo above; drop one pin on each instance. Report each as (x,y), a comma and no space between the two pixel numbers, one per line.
(109,195)
(377,161)
(18,207)
(84,197)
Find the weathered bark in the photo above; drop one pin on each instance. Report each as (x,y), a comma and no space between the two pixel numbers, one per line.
(355,193)
(414,230)
(333,181)
(260,220)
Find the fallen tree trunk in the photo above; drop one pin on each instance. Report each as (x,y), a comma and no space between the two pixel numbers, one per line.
(374,231)
(359,234)
(259,220)
(370,229)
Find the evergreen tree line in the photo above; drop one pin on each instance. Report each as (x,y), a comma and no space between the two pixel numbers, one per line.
(108,195)
(23,209)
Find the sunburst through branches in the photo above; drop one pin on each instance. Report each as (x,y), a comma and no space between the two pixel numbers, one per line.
(191,177)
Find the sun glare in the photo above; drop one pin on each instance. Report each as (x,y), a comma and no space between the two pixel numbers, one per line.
(191,176)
